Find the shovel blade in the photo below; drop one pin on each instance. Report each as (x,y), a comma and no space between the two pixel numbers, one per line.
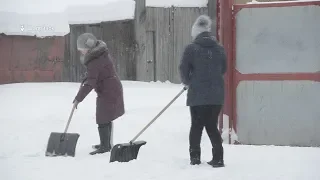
(58,146)
(126,152)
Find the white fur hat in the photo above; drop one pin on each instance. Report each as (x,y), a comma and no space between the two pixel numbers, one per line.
(202,24)
(86,41)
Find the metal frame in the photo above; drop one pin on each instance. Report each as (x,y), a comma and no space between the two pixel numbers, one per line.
(236,76)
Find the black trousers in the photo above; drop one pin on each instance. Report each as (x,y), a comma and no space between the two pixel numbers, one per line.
(205,116)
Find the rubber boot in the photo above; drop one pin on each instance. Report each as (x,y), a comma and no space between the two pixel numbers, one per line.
(217,157)
(105,140)
(195,156)
(97,146)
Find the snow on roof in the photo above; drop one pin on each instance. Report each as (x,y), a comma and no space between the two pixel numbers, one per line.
(33,24)
(97,13)
(294,1)
(53,18)
(177,3)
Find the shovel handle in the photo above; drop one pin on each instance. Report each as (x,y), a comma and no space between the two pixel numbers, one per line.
(156,117)
(69,120)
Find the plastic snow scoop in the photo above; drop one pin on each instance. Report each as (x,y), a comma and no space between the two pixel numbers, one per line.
(129,151)
(63,144)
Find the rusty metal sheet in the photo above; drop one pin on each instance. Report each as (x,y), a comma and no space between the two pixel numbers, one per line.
(5,52)
(5,76)
(57,75)
(32,76)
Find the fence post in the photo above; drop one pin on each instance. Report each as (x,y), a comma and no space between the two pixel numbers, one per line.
(140,17)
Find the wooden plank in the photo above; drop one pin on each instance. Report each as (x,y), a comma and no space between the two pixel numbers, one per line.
(66,76)
(76,68)
(151,67)
(140,37)
(119,36)
(183,21)
(160,18)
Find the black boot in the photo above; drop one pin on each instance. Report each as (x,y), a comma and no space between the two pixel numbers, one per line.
(105,140)
(217,157)
(97,146)
(195,157)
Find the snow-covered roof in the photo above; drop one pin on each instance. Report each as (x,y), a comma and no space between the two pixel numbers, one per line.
(294,1)
(176,3)
(52,18)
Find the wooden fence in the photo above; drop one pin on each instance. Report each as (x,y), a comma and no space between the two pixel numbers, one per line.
(162,34)
(119,37)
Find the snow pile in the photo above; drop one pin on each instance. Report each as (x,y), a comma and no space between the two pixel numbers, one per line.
(53,18)
(177,3)
(31,111)
(228,131)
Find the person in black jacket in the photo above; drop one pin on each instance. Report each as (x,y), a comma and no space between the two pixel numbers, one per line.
(202,67)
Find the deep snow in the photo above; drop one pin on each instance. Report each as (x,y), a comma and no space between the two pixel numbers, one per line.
(31,111)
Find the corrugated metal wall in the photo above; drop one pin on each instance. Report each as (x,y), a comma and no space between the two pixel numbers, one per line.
(30,59)
(119,37)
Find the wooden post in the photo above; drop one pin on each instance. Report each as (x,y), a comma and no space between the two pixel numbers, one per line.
(140,17)
(212,13)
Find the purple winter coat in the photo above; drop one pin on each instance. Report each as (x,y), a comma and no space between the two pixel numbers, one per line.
(102,77)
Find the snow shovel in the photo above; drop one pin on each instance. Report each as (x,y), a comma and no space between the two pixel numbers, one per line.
(63,144)
(129,151)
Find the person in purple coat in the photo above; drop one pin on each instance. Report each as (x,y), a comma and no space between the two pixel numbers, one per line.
(102,77)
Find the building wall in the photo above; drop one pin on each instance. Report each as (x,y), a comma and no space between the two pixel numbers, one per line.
(119,37)
(30,59)
(162,34)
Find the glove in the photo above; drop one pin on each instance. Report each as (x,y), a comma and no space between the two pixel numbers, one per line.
(75,103)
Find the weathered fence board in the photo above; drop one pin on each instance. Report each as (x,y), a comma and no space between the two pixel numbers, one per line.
(119,36)
(183,21)
(159,21)
(172,31)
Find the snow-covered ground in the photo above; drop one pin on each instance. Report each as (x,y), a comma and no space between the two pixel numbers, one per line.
(31,111)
